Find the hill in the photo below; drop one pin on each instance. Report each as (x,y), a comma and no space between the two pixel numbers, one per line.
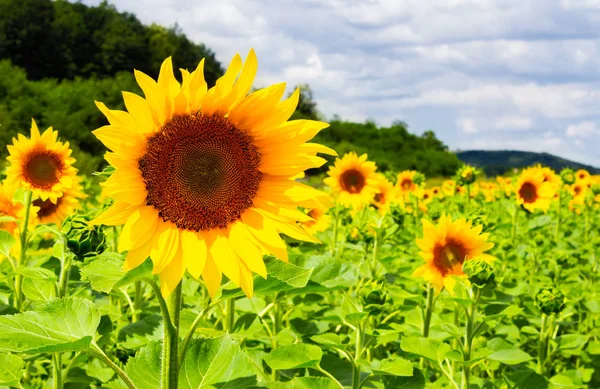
(496,162)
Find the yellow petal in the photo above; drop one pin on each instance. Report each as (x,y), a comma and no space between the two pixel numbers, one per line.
(193,250)
(249,253)
(116,215)
(224,256)
(165,246)
(211,275)
(139,228)
(172,274)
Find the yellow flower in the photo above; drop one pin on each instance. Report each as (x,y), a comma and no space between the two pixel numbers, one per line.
(320,220)
(386,195)
(446,246)
(203,178)
(582,175)
(579,191)
(40,164)
(550,176)
(65,204)
(437,192)
(449,187)
(405,182)
(9,208)
(353,180)
(532,191)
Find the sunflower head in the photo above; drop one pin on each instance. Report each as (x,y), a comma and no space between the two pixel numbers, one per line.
(41,164)
(466,175)
(10,209)
(353,180)
(567,176)
(582,175)
(449,187)
(550,300)
(57,211)
(385,196)
(319,221)
(532,192)
(405,182)
(204,178)
(446,246)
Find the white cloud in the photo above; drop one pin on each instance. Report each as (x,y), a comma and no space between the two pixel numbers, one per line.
(585,129)
(511,122)
(468,125)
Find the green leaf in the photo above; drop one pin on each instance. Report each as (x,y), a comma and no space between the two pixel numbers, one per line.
(59,326)
(6,243)
(417,381)
(39,290)
(393,366)
(510,357)
(105,273)
(431,349)
(216,363)
(313,383)
(329,340)
(144,368)
(332,272)
(571,341)
(294,356)
(141,332)
(281,277)
(36,273)
(526,379)
(11,369)
(539,222)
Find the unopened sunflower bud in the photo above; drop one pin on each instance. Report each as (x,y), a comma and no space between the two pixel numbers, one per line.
(480,273)
(550,300)
(82,239)
(567,176)
(418,178)
(466,175)
(373,295)
(354,236)
(397,213)
(595,189)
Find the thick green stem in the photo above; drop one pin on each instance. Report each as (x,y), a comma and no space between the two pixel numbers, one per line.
(230,312)
(65,268)
(541,357)
(427,318)
(56,371)
(469,334)
(138,299)
(18,299)
(276,328)
(357,354)
(97,352)
(170,361)
(374,257)
(515,220)
(336,223)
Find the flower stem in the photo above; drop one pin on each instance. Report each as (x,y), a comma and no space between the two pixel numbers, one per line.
(97,353)
(427,317)
(230,312)
(357,353)
(56,371)
(469,335)
(170,361)
(558,216)
(18,300)
(515,219)
(541,358)
(331,377)
(138,299)
(65,268)
(336,223)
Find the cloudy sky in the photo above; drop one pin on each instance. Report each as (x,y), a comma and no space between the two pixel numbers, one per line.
(483,74)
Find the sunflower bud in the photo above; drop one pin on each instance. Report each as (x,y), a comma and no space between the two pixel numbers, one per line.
(567,176)
(418,178)
(397,214)
(354,236)
(550,300)
(373,295)
(82,239)
(466,175)
(596,189)
(480,273)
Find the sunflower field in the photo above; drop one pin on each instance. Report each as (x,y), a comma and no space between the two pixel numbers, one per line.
(204,257)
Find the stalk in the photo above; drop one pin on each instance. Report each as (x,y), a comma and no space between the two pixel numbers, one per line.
(170,362)
(357,353)
(558,216)
(427,318)
(230,312)
(56,371)
(335,230)
(468,346)
(515,219)
(541,357)
(97,352)
(18,301)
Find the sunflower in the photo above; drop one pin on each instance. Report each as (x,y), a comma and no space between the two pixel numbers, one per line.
(353,180)
(58,211)
(446,246)
(437,192)
(203,178)
(319,221)
(449,187)
(582,175)
(9,208)
(386,195)
(579,191)
(532,191)
(550,176)
(41,164)
(405,182)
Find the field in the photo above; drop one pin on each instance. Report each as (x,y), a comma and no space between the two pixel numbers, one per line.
(200,259)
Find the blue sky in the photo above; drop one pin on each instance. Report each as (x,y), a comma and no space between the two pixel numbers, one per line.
(483,74)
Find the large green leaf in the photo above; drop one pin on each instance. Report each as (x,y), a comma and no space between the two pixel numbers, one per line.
(393,366)
(294,356)
(313,383)
(434,350)
(105,273)
(216,363)
(39,290)
(59,326)
(6,243)
(11,369)
(332,272)
(36,273)
(144,368)
(416,381)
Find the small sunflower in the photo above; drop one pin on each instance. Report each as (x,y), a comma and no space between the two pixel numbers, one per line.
(353,180)
(386,195)
(406,182)
(449,187)
(437,192)
(550,176)
(579,191)
(446,246)
(532,191)
(9,208)
(319,222)
(57,212)
(41,164)
(582,175)
(204,177)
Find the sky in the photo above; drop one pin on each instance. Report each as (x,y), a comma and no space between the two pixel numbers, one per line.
(482,74)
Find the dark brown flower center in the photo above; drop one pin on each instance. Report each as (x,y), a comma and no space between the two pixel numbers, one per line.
(528,192)
(46,207)
(352,181)
(406,184)
(43,169)
(446,257)
(200,172)
(379,198)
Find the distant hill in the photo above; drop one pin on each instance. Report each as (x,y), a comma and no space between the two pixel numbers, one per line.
(499,162)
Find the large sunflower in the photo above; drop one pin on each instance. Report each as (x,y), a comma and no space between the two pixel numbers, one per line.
(353,180)
(386,195)
(57,212)
(203,177)
(41,164)
(532,191)
(10,209)
(446,246)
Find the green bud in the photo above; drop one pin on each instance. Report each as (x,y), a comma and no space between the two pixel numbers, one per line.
(550,300)
(83,240)
(354,236)
(373,295)
(596,189)
(466,175)
(418,178)
(480,273)
(567,176)
(397,213)
(539,239)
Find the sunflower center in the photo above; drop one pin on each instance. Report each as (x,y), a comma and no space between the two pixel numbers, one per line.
(528,192)
(43,170)
(577,190)
(406,184)
(200,172)
(352,181)
(379,198)
(448,256)
(46,207)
